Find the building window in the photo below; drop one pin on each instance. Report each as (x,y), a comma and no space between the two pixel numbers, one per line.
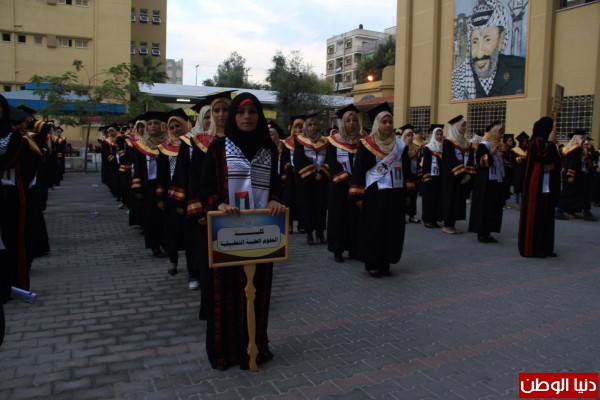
(156,49)
(132,47)
(38,39)
(330,49)
(64,42)
(330,65)
(132,14)
(7,88)
(576,113)
(347,77)
(156,17)
(144,15)
(574,3)
(479,115)
(420,117)
(82,3)
(81,44)
(347,60)
(144,48)
(22,38)
(348,44)
(67,2)
(6,37)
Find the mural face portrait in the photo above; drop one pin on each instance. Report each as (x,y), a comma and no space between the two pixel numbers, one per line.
(486,45)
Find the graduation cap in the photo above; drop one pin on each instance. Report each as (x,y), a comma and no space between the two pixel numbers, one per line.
(508,136)
(378,109)
(224,94)
(274,125)
(28,110)
(159,115)
(178,112)
(521,137)
(434,126)
(455,119)
(407,126)
(479,133)
(577,132)
(350,107)
(490,126)
(198,106)
(17,115)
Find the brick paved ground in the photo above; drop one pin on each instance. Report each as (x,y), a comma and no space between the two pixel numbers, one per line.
(458,319)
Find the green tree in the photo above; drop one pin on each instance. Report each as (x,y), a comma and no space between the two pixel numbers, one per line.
(233,73)
(299,89)
(148,72)
(373,64)
(74,97)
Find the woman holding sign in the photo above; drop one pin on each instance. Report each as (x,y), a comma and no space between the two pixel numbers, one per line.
(240,169)
(379,181)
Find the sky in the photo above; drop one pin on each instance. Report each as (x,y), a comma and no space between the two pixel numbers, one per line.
(206,32)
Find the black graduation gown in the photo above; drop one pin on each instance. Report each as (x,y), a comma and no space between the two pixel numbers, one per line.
(487,196)
(382,216)
(311,194)
(595,197)
(455,194)
(572,196)
(536,223)
(134,204)
(226,330)
(343,215)
(431,188)
(520,160)
(172,221)
(412,194)
(288,178)
(509,162)
(142,186)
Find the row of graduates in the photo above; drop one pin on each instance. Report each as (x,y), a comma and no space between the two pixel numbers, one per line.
(27,156)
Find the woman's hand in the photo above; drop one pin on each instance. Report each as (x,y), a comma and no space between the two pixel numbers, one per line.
(202,221)
(275,207)
(318,176)
(465,179)
(359,204)
(161,205)
(229,209)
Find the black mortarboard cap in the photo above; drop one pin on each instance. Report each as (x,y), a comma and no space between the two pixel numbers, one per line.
(577,132)
(433,126)
(349,107)
(17,115)
(28,110)
(159,115)
(494,123)
(201,103)
(379,108)
(224,94)
(521,137)
(507,136)
(479,133)
(178,112)
(407,126)
(455,119)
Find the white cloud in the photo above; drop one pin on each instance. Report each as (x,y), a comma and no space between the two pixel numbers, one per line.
(206,32)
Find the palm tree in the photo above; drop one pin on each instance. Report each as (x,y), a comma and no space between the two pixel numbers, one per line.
(149,72)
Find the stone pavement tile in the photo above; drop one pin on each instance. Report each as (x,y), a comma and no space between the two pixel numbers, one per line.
(41,391)
(294,382)
(102,392)
(71,385)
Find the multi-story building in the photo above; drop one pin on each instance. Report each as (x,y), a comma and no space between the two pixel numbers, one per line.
(175,71)
(149,32)
(43,37)
(345,53)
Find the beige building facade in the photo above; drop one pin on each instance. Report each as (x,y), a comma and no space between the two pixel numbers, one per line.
(149,32)
(563,48)
(43,37)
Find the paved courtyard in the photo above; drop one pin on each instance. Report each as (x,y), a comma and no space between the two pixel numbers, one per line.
(457,320)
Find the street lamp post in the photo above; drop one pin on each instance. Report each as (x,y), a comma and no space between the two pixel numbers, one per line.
(197,65)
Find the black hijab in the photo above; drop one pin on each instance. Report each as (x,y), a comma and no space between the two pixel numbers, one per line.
(5,124)
(542,128)
(248,142)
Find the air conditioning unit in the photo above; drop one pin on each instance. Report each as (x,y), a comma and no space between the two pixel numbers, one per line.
(156,20)
(143,18)
(132,50)
(144,51)
(155,52)
(132,17)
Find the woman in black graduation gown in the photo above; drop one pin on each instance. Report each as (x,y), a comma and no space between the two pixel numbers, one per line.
(541,188)
(488,186)
(342,217)
(144,179)
(431,189)
(290,192)
(173,222)
(379,181)
(456,171)
(312,172)
(134,204)
(520,159)
(232,165)
(414,154)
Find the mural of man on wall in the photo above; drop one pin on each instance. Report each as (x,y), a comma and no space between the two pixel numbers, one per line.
(489,68)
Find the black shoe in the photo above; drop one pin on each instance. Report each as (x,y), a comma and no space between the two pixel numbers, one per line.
(491,239)
(482,239)
(414,220)
(309,239)
(338,258)
(374,273)
(202,314)
(552,255)
(172,270)
(386,273)
(321,238)
(157,252)
(561,216)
